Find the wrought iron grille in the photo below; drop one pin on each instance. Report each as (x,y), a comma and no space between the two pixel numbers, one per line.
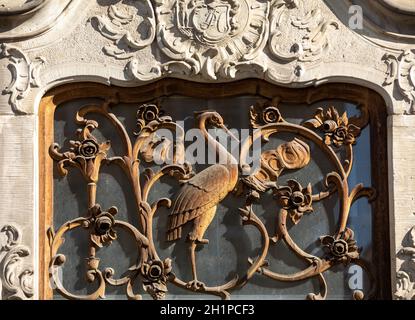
(288,148)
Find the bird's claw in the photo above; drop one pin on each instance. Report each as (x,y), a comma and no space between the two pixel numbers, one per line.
(195,285)
(202,241)
(192,238)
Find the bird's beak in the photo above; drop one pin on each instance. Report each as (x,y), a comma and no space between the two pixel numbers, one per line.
(229,133)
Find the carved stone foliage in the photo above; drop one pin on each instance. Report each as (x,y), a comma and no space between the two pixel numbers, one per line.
(121,25)
(25,74)
(406,275)
(16,280)
(401,73)
(199,193)
(298,33)
(216,39)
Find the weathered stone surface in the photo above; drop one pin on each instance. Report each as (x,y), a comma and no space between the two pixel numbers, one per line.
(17,205)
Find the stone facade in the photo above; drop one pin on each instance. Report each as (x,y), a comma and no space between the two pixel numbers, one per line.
(296,43)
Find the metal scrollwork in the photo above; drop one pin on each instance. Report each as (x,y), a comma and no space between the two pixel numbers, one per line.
(200,193)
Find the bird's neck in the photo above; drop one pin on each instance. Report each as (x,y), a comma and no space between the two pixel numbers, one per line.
(222,153)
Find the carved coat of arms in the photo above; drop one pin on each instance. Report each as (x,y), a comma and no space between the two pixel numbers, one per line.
(215,36)
(207,22)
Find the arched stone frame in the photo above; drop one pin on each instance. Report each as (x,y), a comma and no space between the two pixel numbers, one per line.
(383,67)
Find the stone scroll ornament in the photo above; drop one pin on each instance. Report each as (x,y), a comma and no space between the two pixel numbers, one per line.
(405,289)
(401,74)
(24,75)
(16,278)
(215,39)
(199,194)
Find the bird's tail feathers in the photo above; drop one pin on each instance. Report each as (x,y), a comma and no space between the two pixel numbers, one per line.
(174,234)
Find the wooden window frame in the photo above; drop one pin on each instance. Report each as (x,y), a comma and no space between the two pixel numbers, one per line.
(168,87)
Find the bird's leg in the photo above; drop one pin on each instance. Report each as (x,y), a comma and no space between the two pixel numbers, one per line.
(195,285)
(195,237)
(193,259)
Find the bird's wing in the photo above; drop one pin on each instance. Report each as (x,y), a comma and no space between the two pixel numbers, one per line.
(201,192)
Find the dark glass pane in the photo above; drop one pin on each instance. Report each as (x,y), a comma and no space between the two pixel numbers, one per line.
(231,244)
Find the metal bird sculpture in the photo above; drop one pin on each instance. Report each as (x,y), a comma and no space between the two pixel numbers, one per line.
(198,198)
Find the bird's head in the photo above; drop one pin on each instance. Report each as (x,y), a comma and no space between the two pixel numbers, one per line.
(210,118)
(214,119)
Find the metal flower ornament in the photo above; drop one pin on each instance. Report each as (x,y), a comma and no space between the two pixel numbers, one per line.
(341,249)
(200,193)
(337,129)
(296,199)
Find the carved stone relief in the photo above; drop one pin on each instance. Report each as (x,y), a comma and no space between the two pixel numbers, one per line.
(21,20)
(216,39)
(16,279)
(114,25)
(406,275)
(212,38)
(24,74)
(298,33)
(401,73)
